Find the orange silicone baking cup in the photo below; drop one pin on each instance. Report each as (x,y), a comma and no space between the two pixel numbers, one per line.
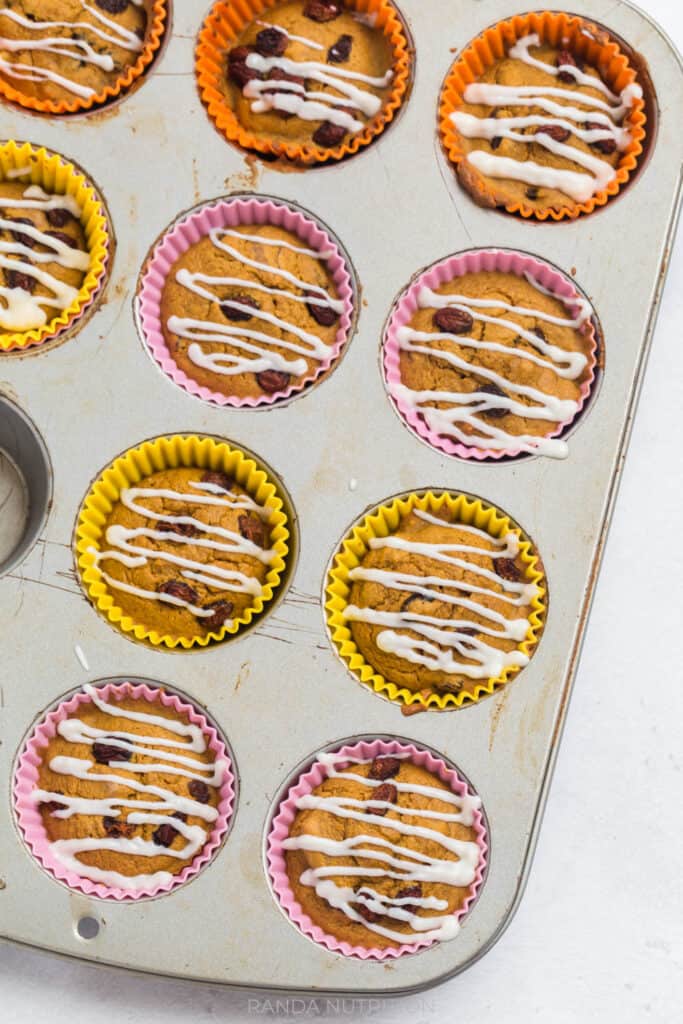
(227,21)
(157,14)
(587,41)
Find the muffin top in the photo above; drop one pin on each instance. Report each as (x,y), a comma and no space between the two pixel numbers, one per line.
(383,852)
(128,791)
(439,606)
(494,361)
(43,255)
(186,551)
(542,129)
(55,50)
(310,72)
(250,311)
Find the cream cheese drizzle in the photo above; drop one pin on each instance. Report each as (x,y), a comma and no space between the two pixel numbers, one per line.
(76,49)
(123,549)
(318,105)
(444,645)
(156,811)
(255,353)
(21,310)
(608,114)
(460,414)
(382,858)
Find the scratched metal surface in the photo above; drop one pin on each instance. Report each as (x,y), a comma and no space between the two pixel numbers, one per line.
(280,692)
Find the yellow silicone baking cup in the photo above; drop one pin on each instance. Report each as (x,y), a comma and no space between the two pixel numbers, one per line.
(382,522)
(157,15)
(57,176)
(152,457)
(229,18)
(592,45)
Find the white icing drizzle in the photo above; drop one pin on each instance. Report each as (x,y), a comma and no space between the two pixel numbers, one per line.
(568,114)
(76,49)
(297,39)
(21,310)
(444,645)
(379,857)
(159,807)
(255,353)
(314,105)
(460,417)
(214,538)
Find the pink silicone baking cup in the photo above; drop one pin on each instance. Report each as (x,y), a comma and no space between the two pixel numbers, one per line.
(507,261)
(26,780)
(312,777)
(231,213)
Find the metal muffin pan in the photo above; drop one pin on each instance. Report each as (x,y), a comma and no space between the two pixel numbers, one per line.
(279,693)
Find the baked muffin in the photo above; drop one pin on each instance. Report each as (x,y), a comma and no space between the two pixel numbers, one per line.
(44,258)
(250,312)
(541,130)
(128,788)
(493,361)
(363,813)
(61,50)
(312,73)
(439,606)
(186,552)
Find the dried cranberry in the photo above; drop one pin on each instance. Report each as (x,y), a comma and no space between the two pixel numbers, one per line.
(270,42)
(238,70)
(164,835)
(52,805)
(531,192)
(507,568)
(278,75)
(416,597)
(116,829)
(218,479)
(22,238)
(252,529)
(386,792)
(59,217)
(493,389)
(340,51)
(238,315)
(453,321)
(539,332)
(104,752)
(368,914)
(606,146)
(62,236)
(384,768)
(555,131)
(323,10)
(17,279)
(496,141)
(410,892)
(329,135)
(176,588)
(112,6)
(222,610)
(199,791)
(565,57)
(323,315)
(184,529)
(272,381)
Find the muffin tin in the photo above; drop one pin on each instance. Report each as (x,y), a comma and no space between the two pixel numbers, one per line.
(279,693)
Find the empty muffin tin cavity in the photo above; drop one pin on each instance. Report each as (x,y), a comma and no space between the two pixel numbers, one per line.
(25,485)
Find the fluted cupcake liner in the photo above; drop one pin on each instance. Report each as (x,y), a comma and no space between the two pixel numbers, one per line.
(582,38)
(229,18)
(380,523)
(475,260)
(28,811)
(287,811)
(151,457)
(158,16)
(57,176)
(232,213)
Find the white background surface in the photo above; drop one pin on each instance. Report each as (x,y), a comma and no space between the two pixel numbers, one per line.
(599,934)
